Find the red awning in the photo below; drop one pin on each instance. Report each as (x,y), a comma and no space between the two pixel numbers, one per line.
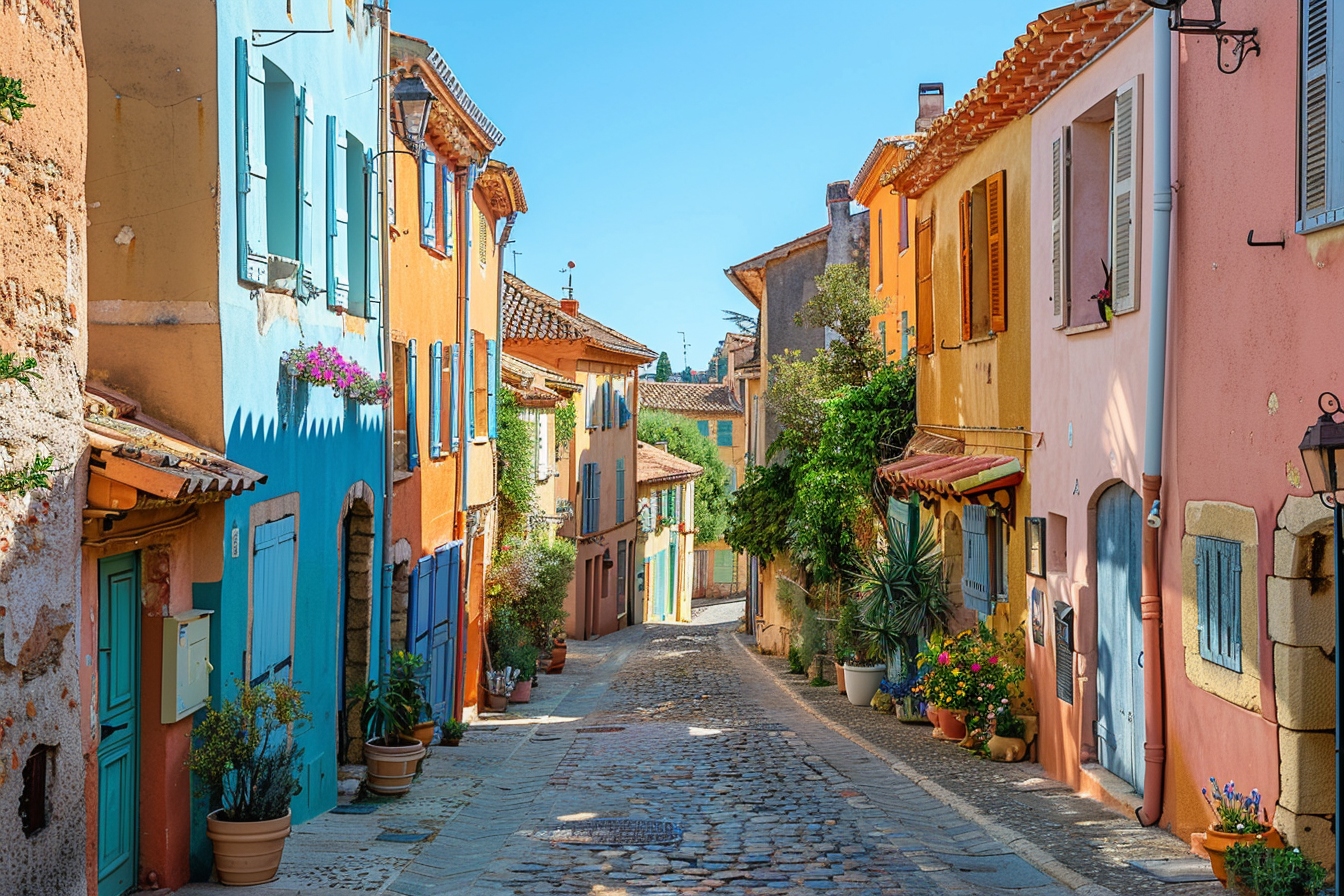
(952,475)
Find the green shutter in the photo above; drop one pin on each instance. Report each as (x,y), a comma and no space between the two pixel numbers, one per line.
(725,567)
(250,163)
(492,388)
(725,433)
(703,426)
(373,257)
(412,433)
(305,238)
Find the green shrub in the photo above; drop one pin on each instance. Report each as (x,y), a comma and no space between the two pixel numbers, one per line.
(1273,872)
(796,664)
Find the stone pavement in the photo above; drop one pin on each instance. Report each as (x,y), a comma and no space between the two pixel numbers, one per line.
(741,790)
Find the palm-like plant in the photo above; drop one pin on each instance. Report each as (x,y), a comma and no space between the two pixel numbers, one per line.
(903,591)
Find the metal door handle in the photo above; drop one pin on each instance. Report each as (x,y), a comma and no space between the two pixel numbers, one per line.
(108,730)
(1140,659)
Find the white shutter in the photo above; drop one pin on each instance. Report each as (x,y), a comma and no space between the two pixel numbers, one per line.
(544,423)
(1124,198)
(1057,231)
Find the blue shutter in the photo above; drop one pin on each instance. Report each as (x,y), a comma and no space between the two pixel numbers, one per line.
(436,399)
(305,253)
(449,204)
(620,490)
(882,338)
(492,391)
(1218,580)
(975,580)
(250,163)
(443,626)
(725,434)
(703,426)
(428,211)
(338,219)
(454,386)
(420,600)
(272,598)
(412,434)
(905,334)
(606,405)
(373,257)
(597,498)
(469,387)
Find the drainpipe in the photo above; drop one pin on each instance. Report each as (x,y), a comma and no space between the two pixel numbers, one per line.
(384,278)
(464,254)
(1155,750)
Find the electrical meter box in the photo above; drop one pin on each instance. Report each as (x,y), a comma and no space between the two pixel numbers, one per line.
(186,664)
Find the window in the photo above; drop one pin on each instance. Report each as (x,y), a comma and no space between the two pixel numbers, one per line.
(1094,165)
(480,385)
(982,584)
(905,334)
(436,400)
(984,259)
(924,286)
(250,161)
(281,134)
(905,223)
(880,279)
(1036,546)
(592,504)
(429,206)
(882,337)
(361,229)
(412,432)
(725,434)
(270,644)
(338,216)
(593,405)
(606,409)
(1321,117)
(725,568)
(623,414)
(621,578)
(1218,583)
(620,490)
(703,426)
(34,805)
(400,407)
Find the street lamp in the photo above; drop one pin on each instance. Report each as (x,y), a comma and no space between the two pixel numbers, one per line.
(1323,455)
(412,100)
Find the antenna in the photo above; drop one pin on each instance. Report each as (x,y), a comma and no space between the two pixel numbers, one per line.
(685,358)
(516,253)
(569,289)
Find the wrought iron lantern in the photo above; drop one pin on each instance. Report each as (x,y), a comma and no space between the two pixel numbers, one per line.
(1242,41)
(411,99)
(1323,450)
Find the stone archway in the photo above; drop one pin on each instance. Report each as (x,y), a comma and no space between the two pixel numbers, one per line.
(358,591)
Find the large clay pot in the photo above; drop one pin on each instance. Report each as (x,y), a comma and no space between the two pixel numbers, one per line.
(557,663)
(1216,844)
(861,682)
(952,723)
(840,676)
(424,732)
(391,766)
(522,692)
(246,852)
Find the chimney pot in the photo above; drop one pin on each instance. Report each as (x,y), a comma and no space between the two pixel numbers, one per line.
(931,104)
(570,307)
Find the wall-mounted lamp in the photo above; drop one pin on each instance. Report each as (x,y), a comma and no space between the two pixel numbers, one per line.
(1242,41)
(411,100)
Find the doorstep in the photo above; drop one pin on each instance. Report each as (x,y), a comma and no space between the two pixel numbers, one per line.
(1109,789)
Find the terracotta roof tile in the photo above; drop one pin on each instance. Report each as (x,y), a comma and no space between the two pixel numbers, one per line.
(531,314)
(704,398)
(653,464)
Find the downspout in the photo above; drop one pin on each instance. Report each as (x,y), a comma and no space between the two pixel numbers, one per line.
(384,280)
(1155,750)
(464,265)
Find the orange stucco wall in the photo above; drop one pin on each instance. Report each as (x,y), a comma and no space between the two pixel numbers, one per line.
(891,268)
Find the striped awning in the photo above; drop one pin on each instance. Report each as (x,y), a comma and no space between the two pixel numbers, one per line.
(986,479)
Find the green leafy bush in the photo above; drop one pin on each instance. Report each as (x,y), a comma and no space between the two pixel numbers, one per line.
(516,462)
(1266,871)
(758,521)
(685,441)
(395,704)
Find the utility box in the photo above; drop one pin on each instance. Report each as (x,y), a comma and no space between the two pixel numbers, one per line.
(186,664)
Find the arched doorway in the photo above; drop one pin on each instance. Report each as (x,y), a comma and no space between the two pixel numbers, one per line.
(357,588)
(1120,734)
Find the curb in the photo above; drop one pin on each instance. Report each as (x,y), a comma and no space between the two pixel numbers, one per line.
(1016,841)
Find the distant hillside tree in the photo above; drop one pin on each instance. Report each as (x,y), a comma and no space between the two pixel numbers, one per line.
(663,372)
(684,441)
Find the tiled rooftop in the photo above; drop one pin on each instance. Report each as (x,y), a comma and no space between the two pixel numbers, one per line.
(702,398)
(531,314)
(653,464)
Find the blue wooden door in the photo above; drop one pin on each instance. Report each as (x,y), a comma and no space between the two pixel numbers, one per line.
(420,606)
(118,714)
(1120,634)
(443,631)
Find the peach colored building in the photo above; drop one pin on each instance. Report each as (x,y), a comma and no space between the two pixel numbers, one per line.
(599,479)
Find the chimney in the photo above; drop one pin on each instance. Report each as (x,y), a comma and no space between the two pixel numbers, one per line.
(837,202)
(839,241)
(570,307)
(931,105)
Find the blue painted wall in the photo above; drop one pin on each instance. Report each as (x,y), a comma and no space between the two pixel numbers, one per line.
(319,446)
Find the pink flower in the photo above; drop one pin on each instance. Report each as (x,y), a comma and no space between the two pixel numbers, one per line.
(943,658)
(994,661)
(975,667)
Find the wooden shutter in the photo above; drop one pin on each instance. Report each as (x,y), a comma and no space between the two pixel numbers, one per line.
(449,204)
(272,599)
(429,216)
(590,402)
(250,163)
(1124,193)
(412,429)
(1057,266)
(338,219)
(454,387)
(924,286)
(492,388)
(964,247)
(1218,582)
(996,221)
(620,490)
(373,257)
(305,150)
(436,400)
(905,223)
(703,426)
(724,434)
(1321,191)
(469,385)
(880,269)
(480,356)
(975,581)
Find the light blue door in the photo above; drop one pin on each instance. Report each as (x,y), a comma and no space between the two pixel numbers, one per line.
(443,636)
(1120,634)
(118,713)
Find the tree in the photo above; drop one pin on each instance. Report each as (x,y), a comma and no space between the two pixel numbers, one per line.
(684,441)
(844,305)
(663,372)
(745,323)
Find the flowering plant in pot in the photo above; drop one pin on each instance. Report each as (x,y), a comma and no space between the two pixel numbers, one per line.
(1255,869)
(393,706)
(1239,819)
(324,365)
(247,764)
(995,669)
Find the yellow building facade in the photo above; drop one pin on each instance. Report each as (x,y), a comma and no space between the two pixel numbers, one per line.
(665,549)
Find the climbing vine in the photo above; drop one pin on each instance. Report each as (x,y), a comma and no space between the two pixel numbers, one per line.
(12,99)
(516,462)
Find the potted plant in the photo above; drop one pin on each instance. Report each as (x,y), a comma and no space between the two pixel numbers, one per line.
(248,765)
(944,684)
(846,637)
(453,731)
(1239,819)
(523,660)
(392,706)
(1255,869)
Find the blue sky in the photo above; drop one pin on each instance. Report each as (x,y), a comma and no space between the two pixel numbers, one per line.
(659,143)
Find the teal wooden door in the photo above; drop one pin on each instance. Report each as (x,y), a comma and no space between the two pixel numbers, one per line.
(1120,634)
(118,713)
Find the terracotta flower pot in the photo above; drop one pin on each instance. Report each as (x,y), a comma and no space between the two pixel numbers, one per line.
(391,766)
(522,692)
(495,702)
(424,732)
(840,676)
(952,723)
(1216,843)
(452,741)
(557,663)
(246,852)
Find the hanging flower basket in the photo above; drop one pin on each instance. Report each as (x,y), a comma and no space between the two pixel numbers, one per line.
(323,365)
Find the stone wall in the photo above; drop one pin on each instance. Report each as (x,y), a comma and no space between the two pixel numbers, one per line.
(42,308)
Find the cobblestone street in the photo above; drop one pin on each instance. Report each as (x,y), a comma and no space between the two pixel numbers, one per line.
(745,790)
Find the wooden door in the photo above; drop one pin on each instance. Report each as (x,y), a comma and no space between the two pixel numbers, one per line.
(1120,634)
(118,714)
(443,637)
